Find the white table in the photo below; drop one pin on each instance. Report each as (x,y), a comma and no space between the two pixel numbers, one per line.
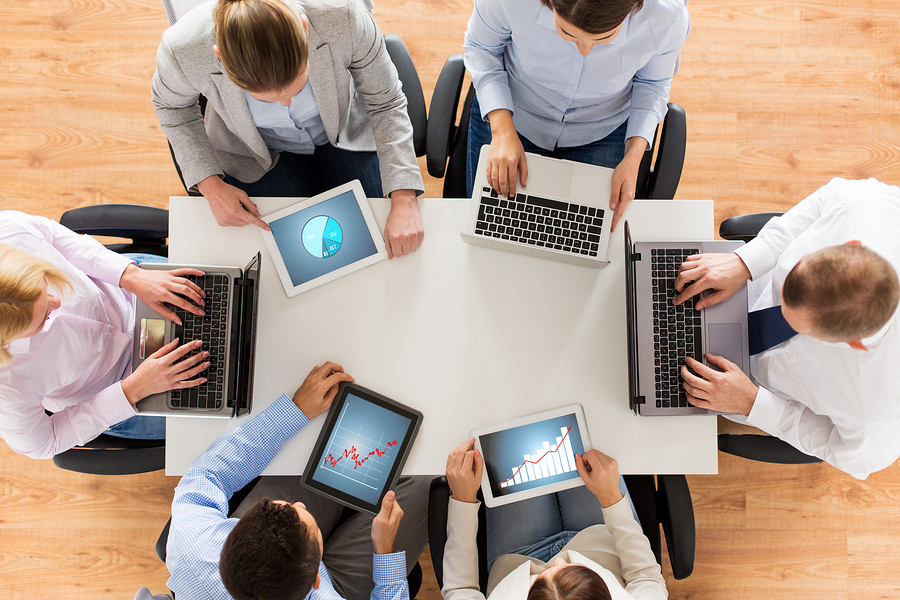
(468,335)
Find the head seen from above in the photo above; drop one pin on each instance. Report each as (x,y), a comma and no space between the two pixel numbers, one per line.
(840,293)
(263,48)
(272,553)
(589,23)
(564,581)
(25,302)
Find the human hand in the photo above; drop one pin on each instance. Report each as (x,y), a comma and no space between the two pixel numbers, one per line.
(158,288)
(728,390)
(601,476)
(317,392)
(385,525)
(724,273)
(464,467)
(624,178)
(164,370)
(230,206)
(506,158)
(403,231)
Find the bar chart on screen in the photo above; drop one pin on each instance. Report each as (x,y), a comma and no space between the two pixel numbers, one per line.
(547,461)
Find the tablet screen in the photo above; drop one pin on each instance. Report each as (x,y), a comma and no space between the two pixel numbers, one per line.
(533,455)
(325,237)
(363,449)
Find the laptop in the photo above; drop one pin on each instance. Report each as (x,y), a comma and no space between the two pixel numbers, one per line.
(228,333)
(660,335)
(562,214)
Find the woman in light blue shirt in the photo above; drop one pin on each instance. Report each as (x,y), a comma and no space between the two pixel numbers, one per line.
(583,80)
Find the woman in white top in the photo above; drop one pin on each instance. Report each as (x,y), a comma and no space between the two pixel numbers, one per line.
(538,549)
(67,307)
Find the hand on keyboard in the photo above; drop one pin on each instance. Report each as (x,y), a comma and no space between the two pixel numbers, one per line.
(728,390)
(723,273)
(165,370)
(161,290)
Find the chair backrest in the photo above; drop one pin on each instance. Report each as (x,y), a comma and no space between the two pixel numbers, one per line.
(438,504)
(412,87)
(661,166)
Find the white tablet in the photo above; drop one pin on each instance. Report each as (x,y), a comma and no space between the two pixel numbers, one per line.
(532,456)
(324,237)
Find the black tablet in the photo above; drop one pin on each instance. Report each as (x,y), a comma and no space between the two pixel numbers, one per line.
(362,448)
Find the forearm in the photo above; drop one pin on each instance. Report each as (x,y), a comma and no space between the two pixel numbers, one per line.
(389,573)
(642,574)
(487,35)
(461,552)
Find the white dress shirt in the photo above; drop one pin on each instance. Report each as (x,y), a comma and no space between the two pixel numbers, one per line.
(827,399)
(74,365)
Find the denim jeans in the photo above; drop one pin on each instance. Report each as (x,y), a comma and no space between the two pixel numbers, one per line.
(541,526)
(607,152)
(305,175)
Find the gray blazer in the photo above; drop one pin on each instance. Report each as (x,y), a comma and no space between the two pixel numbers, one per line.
(353,80)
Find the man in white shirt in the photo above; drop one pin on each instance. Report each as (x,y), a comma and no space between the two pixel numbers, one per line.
(832,390)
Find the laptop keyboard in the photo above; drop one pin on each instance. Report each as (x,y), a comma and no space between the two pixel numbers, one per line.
(212,330)
(540,222)
(676,329)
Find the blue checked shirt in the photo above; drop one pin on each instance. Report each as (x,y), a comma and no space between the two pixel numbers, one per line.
(519,62)
(200,520)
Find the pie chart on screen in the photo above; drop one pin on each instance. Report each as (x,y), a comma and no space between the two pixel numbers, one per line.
(322,236)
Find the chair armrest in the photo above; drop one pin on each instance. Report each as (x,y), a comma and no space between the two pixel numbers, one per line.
(132,221)
(412,87)
(670,154)
(438,506)
(442,114)
(163,540)
(745,227)
(764,449)
(676,511)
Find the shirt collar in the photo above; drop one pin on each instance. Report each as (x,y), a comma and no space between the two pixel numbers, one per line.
(545,18)
(20,346)
(872,339)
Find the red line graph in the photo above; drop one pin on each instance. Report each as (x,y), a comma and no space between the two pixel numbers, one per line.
(354,455)
(534,462)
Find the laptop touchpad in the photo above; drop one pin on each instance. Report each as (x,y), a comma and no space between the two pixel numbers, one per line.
(725,340)
(549,177)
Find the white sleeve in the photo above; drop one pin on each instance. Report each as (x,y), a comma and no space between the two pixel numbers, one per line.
(642,574)
(461,552)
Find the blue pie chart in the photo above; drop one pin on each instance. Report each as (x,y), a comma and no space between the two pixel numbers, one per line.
(322,236)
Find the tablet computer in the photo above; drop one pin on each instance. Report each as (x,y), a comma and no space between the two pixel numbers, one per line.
(324,237)
(362,448)
(533,455)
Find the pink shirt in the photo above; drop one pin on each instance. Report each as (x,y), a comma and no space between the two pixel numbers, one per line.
(75,364)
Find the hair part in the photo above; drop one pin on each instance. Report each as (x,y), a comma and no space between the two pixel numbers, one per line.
(262,43)
(849,290)
(22,281)
(270,555)
(594,16)
(575,582)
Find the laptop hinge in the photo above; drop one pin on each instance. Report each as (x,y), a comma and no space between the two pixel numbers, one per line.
(635,256)
(243,281)
(640,400)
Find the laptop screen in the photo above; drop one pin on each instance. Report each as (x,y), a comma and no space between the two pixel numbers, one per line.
(631,310)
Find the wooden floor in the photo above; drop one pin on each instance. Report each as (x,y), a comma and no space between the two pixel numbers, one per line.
(780,96)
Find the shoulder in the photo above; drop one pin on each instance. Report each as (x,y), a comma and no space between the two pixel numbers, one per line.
(664,17)
(329,12)
(194,34)
(13,222)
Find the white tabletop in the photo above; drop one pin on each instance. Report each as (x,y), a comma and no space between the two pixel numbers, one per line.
(468,335)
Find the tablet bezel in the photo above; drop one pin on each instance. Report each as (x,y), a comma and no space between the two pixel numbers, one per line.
(318,451)
(381,253)
(489,499)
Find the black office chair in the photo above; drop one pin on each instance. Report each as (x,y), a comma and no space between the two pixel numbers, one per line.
(757,447)
(447,139)
(146,228)
(660,501)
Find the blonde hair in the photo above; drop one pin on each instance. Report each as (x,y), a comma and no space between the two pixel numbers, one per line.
(22,279)
(850,290)
(262,43)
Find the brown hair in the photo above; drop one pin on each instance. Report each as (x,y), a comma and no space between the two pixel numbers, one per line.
(850,290)
(22,280)
(270,555)
(575,582)
(594,16)
(262,43)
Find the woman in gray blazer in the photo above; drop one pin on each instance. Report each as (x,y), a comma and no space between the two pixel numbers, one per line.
(301,97)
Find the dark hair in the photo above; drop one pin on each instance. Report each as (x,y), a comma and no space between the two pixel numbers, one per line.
(262,43)
(270,555)
(850,291)
(594,16)
(575,582)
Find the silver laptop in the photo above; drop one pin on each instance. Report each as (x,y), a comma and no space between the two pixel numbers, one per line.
(562,214)
(660,335)
(228,333)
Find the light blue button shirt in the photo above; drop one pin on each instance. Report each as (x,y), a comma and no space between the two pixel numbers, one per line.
(519,62)
(297,128)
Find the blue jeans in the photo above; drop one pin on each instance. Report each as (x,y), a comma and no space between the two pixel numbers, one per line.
(303,175)
(607,152)
(541,526)
(141,427)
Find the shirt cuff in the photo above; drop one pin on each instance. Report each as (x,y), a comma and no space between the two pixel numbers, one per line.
(286,416)
(618,512)
(493,96)
(757,257)
(389,568)
(643,124)
(111,268)
(766,411)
